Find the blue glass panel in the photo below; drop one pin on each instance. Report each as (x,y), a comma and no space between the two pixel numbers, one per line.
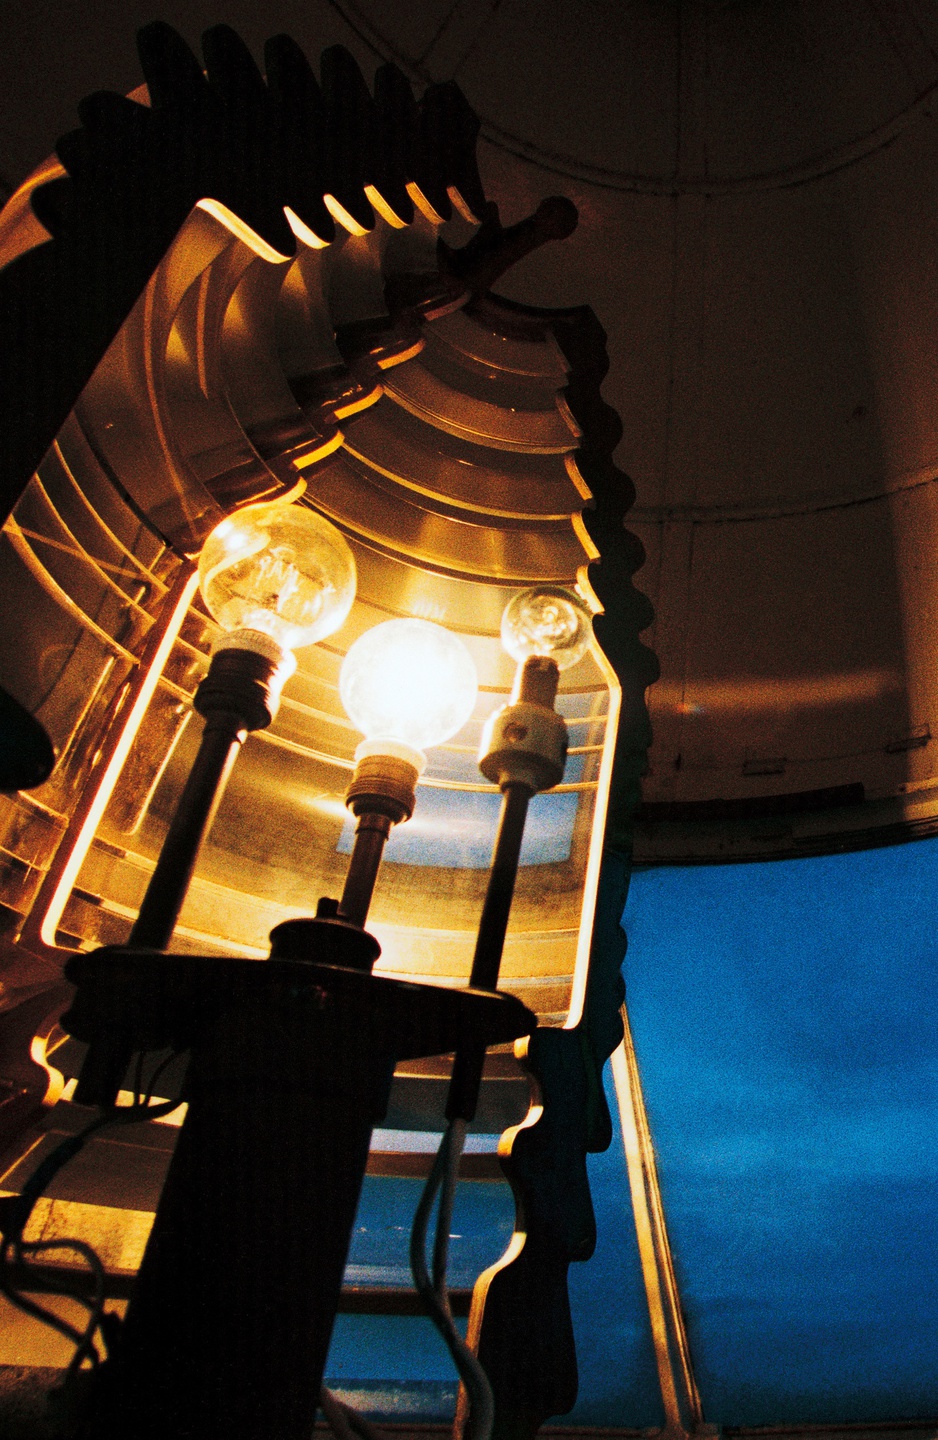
(457,828)
(615,1357)
(398,1367)
(785,1019)
(483,1219)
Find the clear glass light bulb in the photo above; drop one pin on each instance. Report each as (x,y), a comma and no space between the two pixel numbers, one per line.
(410,682)
(281,569)
(547,620)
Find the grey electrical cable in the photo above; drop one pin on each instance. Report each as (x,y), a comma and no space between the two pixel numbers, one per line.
(15,1211)
(441,1181)
(444,1214)
(343,1420)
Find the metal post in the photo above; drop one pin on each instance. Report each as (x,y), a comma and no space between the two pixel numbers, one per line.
(239,694)
(371,835)
(222,738)
(463,1095)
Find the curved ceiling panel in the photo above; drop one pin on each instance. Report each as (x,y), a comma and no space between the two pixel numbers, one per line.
(655,97)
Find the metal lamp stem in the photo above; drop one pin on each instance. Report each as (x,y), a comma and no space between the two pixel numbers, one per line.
(382,794)
(371,836)
(201,796)
(490,940)
(463,1094)
(239,694)
(524,750)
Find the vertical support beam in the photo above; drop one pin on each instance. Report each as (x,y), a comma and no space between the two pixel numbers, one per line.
(40,928)
(680,1398)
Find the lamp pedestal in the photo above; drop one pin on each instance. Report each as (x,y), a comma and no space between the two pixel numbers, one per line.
(228,1329)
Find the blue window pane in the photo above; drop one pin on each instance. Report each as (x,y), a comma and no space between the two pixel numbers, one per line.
(483,1219)
(615,1356)
(785,1019)
(397,1367)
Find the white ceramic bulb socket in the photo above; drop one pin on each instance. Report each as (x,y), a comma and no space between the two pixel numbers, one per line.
(259,644)
(394,750)
(524,744)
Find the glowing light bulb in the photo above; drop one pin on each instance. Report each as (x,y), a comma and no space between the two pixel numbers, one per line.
(280,569)
(547,620)
(408,682)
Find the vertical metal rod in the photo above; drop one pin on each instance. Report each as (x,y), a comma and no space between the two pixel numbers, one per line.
(239,694)
(490,940)
(371,836)
(466,1078)
(221,740)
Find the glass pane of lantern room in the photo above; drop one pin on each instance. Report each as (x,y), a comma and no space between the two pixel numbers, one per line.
(784,1018)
